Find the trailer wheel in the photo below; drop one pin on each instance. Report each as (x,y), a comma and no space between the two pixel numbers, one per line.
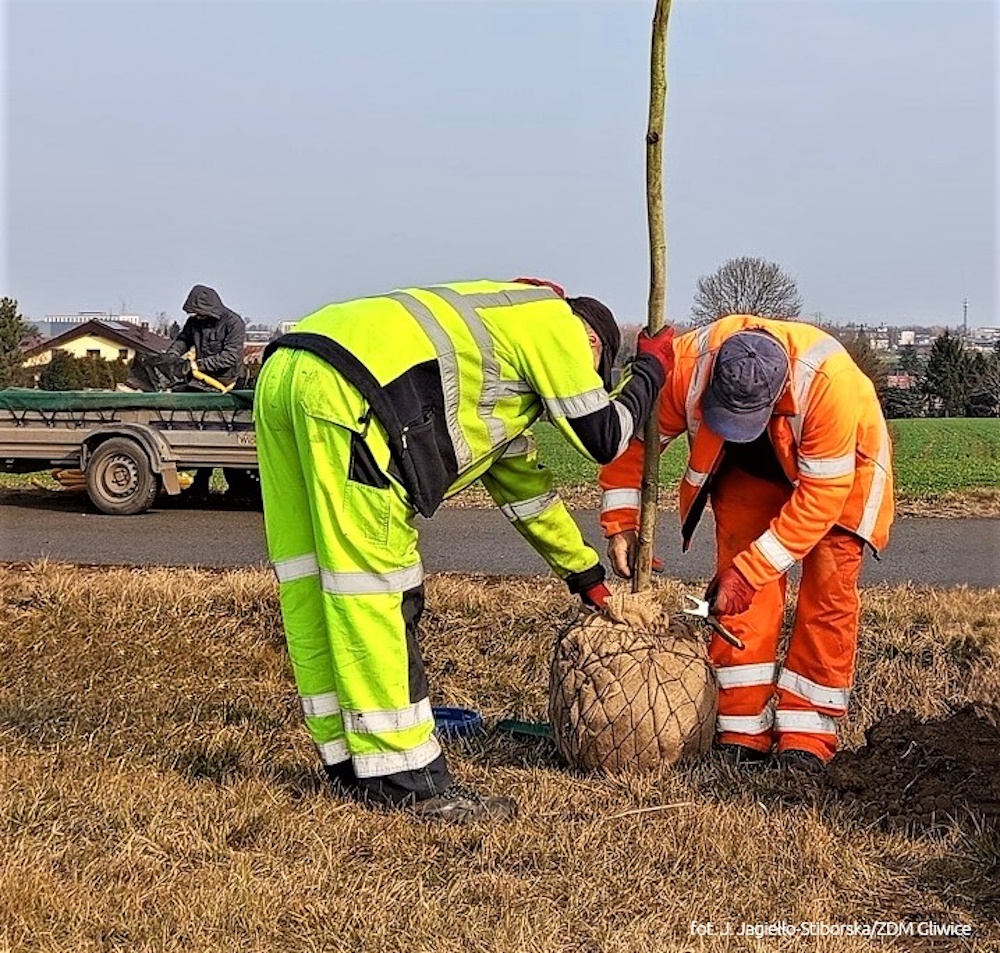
(120,480)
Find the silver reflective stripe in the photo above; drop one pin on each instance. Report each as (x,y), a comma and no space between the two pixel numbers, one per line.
(333,752)
(826,468)
(699,379)
(579,405)
(617,499)
(514,388)
(502,299)
(390,762)
(526,509)
(774,552)
(444,348)
(811,691)
(742,676)
(466,305)
(877,491)
(362,583)
(805,721)
(626,424)
(695,477)
(745,724)
(519,446)
(298,568)
(317,706)
(803,373)
(393,719)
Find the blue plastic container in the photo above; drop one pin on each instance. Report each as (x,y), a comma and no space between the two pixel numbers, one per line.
(457,722)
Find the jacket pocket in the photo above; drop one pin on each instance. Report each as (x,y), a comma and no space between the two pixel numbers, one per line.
(362,467)
(368,511)
(366,494)
(420,447)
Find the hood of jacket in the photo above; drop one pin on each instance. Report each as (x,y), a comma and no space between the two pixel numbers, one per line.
(204,301)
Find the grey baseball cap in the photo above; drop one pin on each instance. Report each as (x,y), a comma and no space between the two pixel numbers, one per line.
(748,376)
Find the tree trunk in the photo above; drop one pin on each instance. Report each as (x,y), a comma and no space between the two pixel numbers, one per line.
(657,284)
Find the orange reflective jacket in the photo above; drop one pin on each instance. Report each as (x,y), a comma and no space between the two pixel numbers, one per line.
(827,431)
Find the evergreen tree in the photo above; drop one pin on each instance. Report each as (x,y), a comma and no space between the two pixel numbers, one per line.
(984,385)
(63,372)
(13,330)
(910,361)
(900,402)
(947,380)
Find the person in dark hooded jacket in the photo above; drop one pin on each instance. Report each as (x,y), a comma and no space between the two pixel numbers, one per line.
(215,332)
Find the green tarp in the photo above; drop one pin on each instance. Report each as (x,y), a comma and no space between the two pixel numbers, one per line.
(24,398)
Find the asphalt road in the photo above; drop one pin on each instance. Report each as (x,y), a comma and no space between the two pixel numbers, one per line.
(942,552)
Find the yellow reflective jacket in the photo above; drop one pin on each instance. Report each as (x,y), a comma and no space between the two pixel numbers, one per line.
(457,373)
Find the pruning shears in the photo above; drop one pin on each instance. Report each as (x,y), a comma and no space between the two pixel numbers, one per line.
(700,609)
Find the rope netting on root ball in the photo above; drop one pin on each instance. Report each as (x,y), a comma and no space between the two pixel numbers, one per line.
(631,690)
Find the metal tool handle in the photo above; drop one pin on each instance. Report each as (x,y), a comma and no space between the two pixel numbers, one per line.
(716,626)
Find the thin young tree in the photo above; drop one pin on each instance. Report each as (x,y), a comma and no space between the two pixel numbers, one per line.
(642,578)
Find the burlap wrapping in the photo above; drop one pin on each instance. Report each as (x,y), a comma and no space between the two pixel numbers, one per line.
(634,694)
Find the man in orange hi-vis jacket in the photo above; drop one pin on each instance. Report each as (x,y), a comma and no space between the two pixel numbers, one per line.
(787,439)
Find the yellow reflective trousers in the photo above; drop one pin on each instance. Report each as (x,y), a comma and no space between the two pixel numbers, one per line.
(340,535)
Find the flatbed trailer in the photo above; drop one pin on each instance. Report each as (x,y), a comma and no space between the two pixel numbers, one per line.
(129,445)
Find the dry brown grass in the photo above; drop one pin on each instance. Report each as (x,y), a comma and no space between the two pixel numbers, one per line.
(980,502)
(157,791)
(956,504)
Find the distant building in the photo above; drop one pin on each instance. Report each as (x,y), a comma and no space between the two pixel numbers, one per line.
(56,324)
(110,340)
(258,334)
(983,339)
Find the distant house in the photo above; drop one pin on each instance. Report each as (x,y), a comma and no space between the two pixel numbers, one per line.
(55,324)
(30,341)
(110,340)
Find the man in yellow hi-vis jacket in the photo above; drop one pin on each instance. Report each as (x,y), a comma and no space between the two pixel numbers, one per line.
(375,409)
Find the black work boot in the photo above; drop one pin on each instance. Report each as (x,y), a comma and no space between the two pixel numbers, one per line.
(460,805)
(343,780)
(741,757)
(804,762)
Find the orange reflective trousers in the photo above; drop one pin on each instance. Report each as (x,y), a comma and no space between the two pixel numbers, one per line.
(813,685)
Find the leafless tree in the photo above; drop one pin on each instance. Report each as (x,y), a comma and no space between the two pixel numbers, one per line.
(746,286)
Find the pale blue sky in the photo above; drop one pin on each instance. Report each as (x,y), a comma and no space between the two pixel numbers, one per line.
(294,153)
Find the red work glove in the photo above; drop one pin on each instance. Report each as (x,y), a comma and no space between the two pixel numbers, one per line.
(660,345)
(596,595)
(542,283)
(729,593)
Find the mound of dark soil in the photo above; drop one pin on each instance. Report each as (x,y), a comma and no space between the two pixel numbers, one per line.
(921,775)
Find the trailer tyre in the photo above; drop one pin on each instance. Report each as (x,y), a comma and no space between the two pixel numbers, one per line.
(120,480)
